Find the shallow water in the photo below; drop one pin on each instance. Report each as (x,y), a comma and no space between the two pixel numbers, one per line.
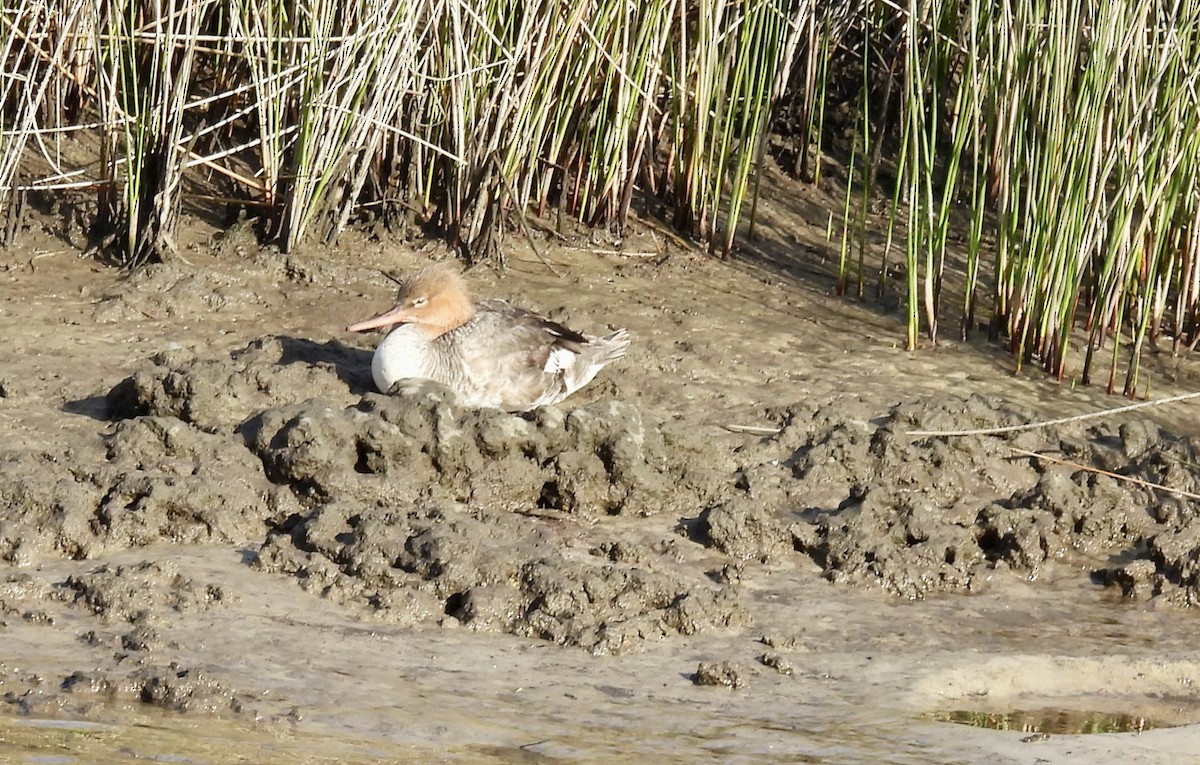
(1056,721)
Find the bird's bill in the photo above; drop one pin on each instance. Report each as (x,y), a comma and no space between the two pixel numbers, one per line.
(389,318)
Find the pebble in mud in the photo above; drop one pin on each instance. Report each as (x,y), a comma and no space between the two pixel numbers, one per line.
(722,673)
(777,662)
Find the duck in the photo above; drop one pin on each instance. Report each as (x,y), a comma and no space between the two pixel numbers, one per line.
(491,353)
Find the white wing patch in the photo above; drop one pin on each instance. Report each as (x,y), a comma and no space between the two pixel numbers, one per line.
(559,360)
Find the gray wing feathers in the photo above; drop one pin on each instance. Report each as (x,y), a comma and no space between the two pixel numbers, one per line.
(518,360)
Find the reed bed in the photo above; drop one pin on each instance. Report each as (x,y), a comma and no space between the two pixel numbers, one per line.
(456,113)
(1068,133)
(1056,145)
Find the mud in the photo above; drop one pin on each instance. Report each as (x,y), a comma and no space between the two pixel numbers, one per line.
(737,513)
(162,480)
(129,603)
(876,507)
(169,687)
(411,491)
(425,510)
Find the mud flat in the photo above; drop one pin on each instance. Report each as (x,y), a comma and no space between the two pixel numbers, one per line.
(732,547)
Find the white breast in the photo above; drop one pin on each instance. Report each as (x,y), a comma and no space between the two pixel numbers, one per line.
(403,354)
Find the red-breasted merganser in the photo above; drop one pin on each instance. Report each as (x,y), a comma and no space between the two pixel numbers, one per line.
(491,353)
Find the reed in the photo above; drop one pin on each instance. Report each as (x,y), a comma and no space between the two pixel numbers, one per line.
(43,86)
(460,113)
(1067,133)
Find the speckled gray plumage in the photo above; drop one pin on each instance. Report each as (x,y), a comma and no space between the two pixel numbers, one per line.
(503,356)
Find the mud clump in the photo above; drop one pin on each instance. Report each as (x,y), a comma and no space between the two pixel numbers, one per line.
(612,609)
(870,503)
(875,506)
(420,511)
(720,673)
(18,591)
(407,503)
(491,571)
(139,593)
(1171,568)
(182,689)
(219,394)
(168,686)
(48,509)
(744,530)
(904,544)
(163,480)
(600,459)
(176,483)
(777,662)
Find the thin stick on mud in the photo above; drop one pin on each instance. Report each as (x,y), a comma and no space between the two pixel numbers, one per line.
(1110,474)
(1059,421)
(755,430)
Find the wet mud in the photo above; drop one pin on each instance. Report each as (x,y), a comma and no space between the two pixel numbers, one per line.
(426,510)
(623,520)
(878,507)
(871,504)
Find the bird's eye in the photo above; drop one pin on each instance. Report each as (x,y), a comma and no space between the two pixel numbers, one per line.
(418,302)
